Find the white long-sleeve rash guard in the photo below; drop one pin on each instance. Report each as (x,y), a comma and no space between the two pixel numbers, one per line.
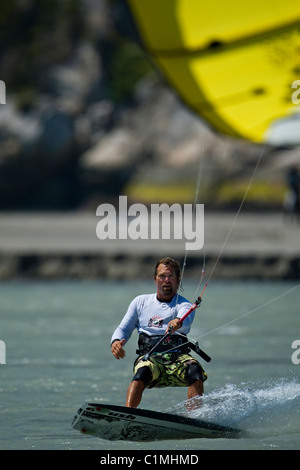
(149,315)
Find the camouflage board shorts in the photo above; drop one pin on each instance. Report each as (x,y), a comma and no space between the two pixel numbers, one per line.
(168,370)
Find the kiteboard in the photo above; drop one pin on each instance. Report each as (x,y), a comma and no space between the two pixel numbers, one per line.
(113,422)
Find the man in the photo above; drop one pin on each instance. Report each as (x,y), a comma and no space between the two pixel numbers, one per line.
(153,315)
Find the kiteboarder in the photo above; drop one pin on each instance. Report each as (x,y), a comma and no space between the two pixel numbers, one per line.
(154,315)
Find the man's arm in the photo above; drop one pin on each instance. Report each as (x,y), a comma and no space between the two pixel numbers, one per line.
(124,331)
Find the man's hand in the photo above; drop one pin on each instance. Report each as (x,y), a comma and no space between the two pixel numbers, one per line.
(117,349)
(174,325)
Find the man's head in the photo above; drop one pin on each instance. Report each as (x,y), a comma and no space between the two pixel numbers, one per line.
(167,278)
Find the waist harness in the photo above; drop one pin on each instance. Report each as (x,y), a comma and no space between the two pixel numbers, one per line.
(174,343)
(177,344)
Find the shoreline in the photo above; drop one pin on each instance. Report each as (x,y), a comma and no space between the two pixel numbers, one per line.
(65,245)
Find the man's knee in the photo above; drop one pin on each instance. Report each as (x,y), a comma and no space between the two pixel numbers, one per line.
(193,373)
(143,374)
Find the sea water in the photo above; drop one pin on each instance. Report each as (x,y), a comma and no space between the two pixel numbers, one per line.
(57,338)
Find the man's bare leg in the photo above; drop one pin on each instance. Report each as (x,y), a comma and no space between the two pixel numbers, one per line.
(134,393)
(194,390)
(136,388)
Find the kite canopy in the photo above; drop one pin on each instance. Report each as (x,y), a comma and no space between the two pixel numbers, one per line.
(233,62)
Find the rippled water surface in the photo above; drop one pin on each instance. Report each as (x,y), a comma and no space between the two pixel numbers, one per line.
(57,338)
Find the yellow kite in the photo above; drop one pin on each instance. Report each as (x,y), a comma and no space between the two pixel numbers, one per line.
(233,62)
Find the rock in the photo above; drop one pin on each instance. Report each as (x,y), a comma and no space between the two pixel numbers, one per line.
(74,82)
(113,151)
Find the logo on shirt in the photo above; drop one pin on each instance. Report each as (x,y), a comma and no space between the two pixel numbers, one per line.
(156,321)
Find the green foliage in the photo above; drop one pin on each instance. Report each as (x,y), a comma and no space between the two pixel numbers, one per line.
(127,64)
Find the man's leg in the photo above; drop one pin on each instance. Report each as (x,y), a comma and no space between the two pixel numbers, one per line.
(195,390)
(194,377)
(141,379)
(135,393)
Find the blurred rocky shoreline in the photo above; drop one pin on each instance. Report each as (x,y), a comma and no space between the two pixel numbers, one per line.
(93,118)
(87,119)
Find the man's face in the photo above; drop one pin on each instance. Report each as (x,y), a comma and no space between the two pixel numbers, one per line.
(166,282)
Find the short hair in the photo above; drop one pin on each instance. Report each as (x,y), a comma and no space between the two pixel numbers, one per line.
(167,261)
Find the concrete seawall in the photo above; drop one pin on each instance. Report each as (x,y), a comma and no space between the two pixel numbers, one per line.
(65,245)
